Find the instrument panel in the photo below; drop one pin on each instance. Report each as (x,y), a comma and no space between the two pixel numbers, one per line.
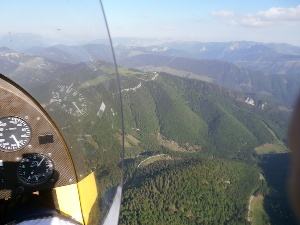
(33,154)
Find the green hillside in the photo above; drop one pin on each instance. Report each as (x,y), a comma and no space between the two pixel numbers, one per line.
(190,192)
(189,120)
(188,125)
(198,116)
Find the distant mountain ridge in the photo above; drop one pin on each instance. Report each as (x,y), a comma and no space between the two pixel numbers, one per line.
(273,58)
(278,81)
(73,54)
(204,113)
(282,89)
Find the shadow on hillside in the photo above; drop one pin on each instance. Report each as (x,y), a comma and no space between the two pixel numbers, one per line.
(276,204)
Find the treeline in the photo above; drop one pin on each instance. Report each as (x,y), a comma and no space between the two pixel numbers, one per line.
(210,191)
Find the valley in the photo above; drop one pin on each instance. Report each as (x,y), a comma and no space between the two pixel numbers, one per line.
(199,133)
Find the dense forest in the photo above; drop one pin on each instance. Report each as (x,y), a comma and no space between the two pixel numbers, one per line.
(198,116)
(210,191)
(210,134)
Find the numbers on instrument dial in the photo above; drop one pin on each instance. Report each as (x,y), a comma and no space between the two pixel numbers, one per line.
(70,100)
(35,168)
(15,133)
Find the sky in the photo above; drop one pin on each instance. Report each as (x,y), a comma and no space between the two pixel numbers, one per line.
(196,20)
(222,20)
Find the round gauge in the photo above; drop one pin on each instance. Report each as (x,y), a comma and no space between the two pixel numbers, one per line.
(15,133)
(35,168)
(70,100)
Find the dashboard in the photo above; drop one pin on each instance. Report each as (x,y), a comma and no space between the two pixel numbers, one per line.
(33,154)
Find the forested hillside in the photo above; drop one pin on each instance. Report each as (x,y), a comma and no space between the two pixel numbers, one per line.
(198,116)
(194,124)
(190,192)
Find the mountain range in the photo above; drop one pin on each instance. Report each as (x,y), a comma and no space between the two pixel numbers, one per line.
(173,106)
(202,109)
(272,58)
(220,63)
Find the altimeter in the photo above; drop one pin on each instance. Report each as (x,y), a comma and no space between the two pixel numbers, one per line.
(15,133)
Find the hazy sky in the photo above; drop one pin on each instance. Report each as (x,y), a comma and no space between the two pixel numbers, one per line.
(222,20)
(213,20)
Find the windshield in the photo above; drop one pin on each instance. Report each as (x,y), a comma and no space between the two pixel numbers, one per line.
(60,53)
(208,90)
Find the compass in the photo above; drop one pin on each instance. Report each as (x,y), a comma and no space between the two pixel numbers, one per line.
(15,133)
(35,168)
(70,100)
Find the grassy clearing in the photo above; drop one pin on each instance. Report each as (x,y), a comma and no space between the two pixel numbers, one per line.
(172,145)
(129,140)
(276,147)
(132,139)
(89,139)
(179,73)
(94,82)
(258,216)
(152,159)
(127,73)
